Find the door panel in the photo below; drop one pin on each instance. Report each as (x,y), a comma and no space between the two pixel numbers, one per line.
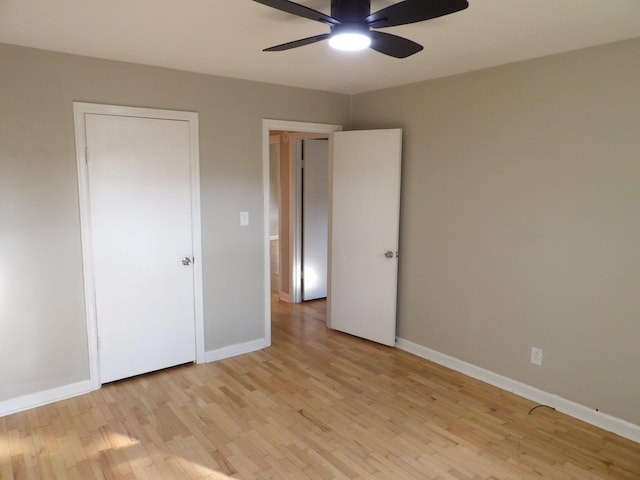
(140,213)
(315,218)
(365,212)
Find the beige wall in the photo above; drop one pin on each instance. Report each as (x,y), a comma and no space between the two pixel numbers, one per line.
(43,334)
(520,214)
(521,220)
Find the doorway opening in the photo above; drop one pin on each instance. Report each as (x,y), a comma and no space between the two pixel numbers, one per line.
(283,151)
(298,221)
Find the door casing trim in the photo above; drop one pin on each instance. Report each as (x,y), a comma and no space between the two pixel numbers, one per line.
(80,109)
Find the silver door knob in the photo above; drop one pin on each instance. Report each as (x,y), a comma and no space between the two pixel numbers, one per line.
(187,261)
(388,254)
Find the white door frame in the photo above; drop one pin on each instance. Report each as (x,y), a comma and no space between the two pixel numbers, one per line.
(80,109)
(288,126)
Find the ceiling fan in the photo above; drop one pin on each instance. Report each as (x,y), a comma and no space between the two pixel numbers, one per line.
(351,23)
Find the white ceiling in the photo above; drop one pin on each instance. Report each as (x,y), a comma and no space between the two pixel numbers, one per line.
(225,37)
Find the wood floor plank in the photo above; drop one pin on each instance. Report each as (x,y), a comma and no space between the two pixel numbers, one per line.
(317,405)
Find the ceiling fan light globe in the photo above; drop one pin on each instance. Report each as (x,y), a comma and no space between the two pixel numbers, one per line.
(350,41)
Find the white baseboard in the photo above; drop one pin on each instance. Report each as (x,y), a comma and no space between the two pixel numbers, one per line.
(233,350)
(586,414)
(32,400)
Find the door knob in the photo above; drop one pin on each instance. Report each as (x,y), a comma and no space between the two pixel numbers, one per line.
(388,254)
(187,261)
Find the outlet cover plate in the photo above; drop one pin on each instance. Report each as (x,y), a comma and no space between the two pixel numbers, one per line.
(536,356)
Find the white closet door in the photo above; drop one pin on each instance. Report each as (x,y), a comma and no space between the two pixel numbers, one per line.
(141,240)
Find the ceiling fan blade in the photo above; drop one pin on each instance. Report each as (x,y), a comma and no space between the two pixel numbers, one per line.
(412,11)
(299,10)
(393,45)
(298,43)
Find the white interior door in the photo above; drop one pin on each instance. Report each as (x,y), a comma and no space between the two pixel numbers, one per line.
(140,213)
(365,212)
(315,218)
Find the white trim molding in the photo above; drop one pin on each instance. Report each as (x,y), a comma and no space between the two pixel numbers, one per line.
(38,399)
(237,349)
(568,407)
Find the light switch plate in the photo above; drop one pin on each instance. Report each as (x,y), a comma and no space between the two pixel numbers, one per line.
(244,219)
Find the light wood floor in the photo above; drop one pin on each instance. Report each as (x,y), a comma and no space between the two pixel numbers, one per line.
(316,405)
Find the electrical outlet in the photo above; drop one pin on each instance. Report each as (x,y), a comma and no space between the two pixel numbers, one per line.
(536,356)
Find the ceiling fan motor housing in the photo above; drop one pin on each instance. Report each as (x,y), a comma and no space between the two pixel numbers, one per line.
(350,11)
